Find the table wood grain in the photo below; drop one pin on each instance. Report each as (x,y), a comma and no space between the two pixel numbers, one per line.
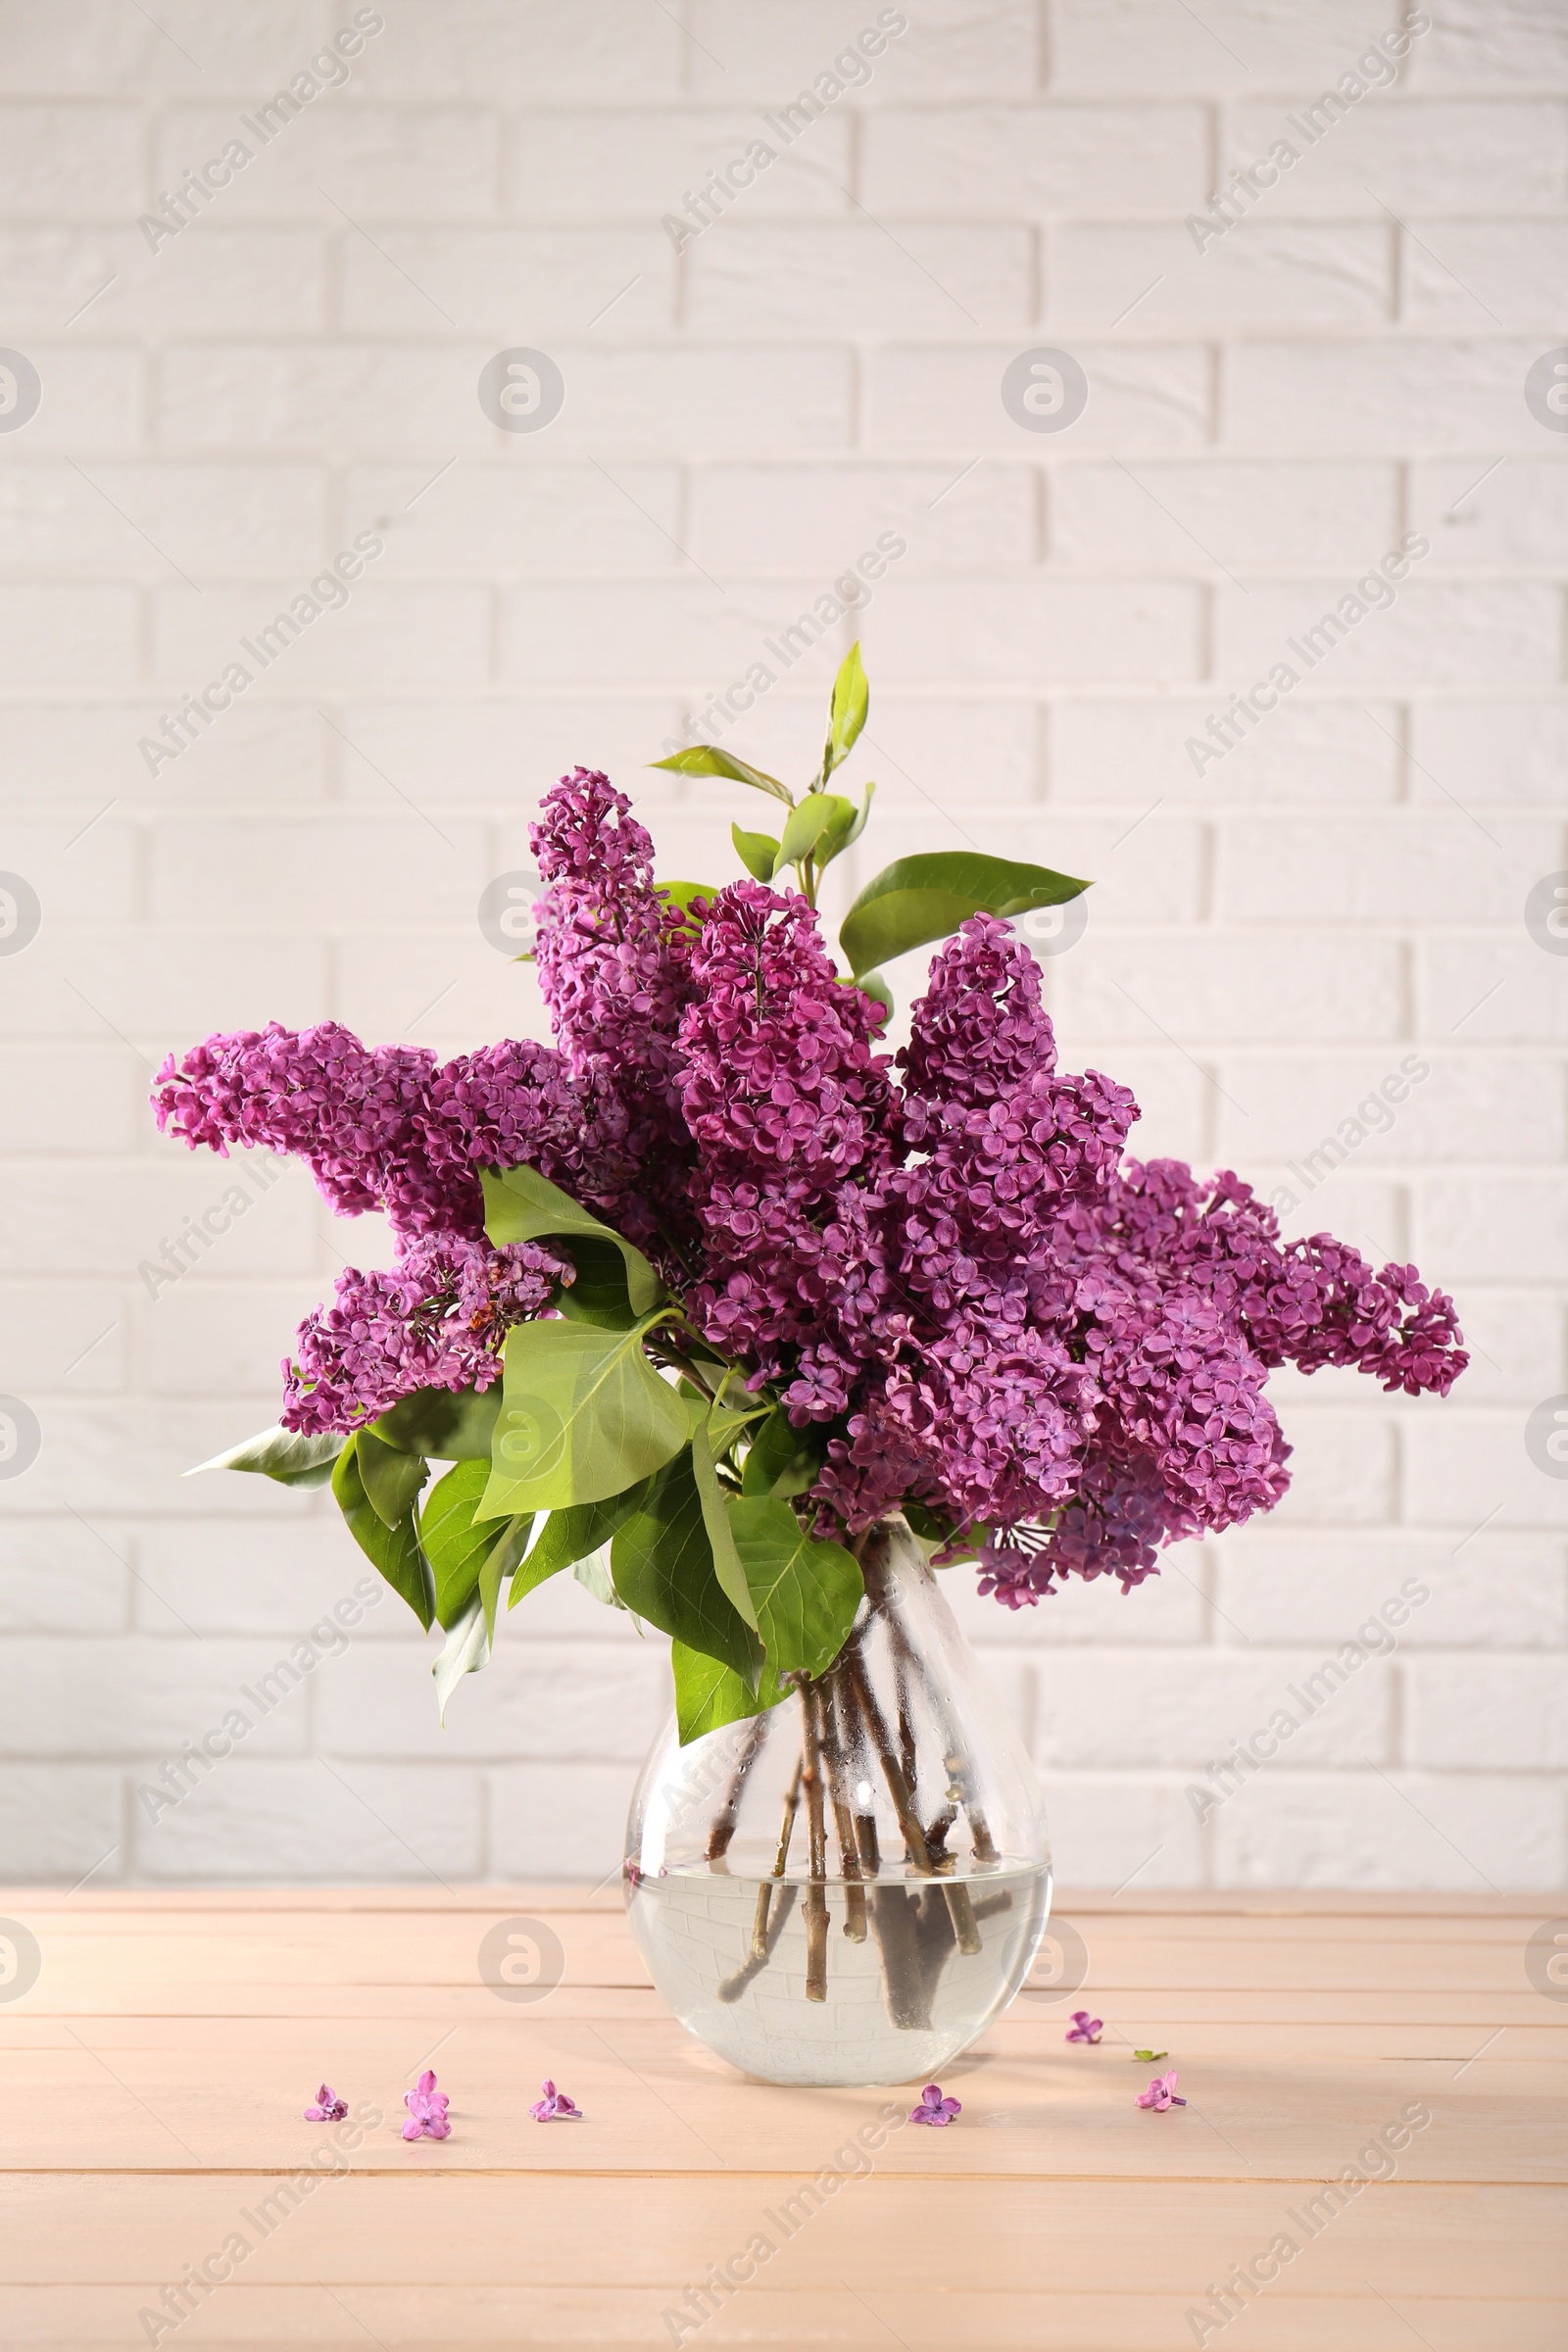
(155,2073)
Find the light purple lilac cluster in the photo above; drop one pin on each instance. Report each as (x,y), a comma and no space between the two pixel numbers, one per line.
(943,1257)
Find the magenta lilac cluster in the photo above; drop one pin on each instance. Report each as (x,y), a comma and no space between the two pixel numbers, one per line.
(434,1320)
(945,1257)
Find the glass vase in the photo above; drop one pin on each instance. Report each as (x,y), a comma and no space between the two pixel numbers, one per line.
(848,1888)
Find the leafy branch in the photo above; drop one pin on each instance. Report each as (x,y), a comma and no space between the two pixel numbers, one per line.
(910,903)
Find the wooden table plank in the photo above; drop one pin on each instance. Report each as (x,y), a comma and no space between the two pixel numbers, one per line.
(164,1967)
(448,2319)
(223,2041)
(1208,2027)
(500,1896)
(920,2237)
(155,2073)
(1053,2113)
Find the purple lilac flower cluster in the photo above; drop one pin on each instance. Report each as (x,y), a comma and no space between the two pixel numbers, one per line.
(946,1257)
(383,1128)
(435,1320)
(792,1116)
(613,958)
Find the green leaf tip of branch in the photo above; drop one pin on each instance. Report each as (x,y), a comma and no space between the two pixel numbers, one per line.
(846,712)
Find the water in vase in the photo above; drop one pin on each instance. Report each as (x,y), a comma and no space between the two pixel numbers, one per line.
(914,1968)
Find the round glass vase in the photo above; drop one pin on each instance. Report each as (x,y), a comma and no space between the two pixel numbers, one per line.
(848,1888)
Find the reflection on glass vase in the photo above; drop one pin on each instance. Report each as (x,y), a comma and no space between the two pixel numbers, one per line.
(848,1888)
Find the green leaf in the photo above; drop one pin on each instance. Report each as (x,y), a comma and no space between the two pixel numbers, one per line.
(709,1694)
(395,1551)
(393,1479)
(852,698)
(500,1561)
(840,835)
(917,900)
(281,1453)
(595,1578)
(600,1295)
(818,813)
(681,895)
(583,1416)
(783,1459)
(464,1650)
(663,1564)
(461,1544)
(706,759)
(713,1435)
(519,1206)
(450,1425)
(807,1594)
(756,851)
(569,1536)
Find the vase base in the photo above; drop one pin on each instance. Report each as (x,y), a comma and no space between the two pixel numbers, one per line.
(925,1966)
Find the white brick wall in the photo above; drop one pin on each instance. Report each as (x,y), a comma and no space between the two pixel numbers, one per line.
(1266,940)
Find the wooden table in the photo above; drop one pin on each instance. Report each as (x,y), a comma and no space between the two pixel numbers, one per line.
(156,2070)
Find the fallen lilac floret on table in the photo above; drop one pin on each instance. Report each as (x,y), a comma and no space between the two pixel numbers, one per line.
(1084,2028)
(554,2107)
(329,2108)
(1162,2092)
(934,2108)
(427,2110)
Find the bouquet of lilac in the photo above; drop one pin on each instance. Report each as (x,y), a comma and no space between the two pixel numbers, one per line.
(717,1284)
